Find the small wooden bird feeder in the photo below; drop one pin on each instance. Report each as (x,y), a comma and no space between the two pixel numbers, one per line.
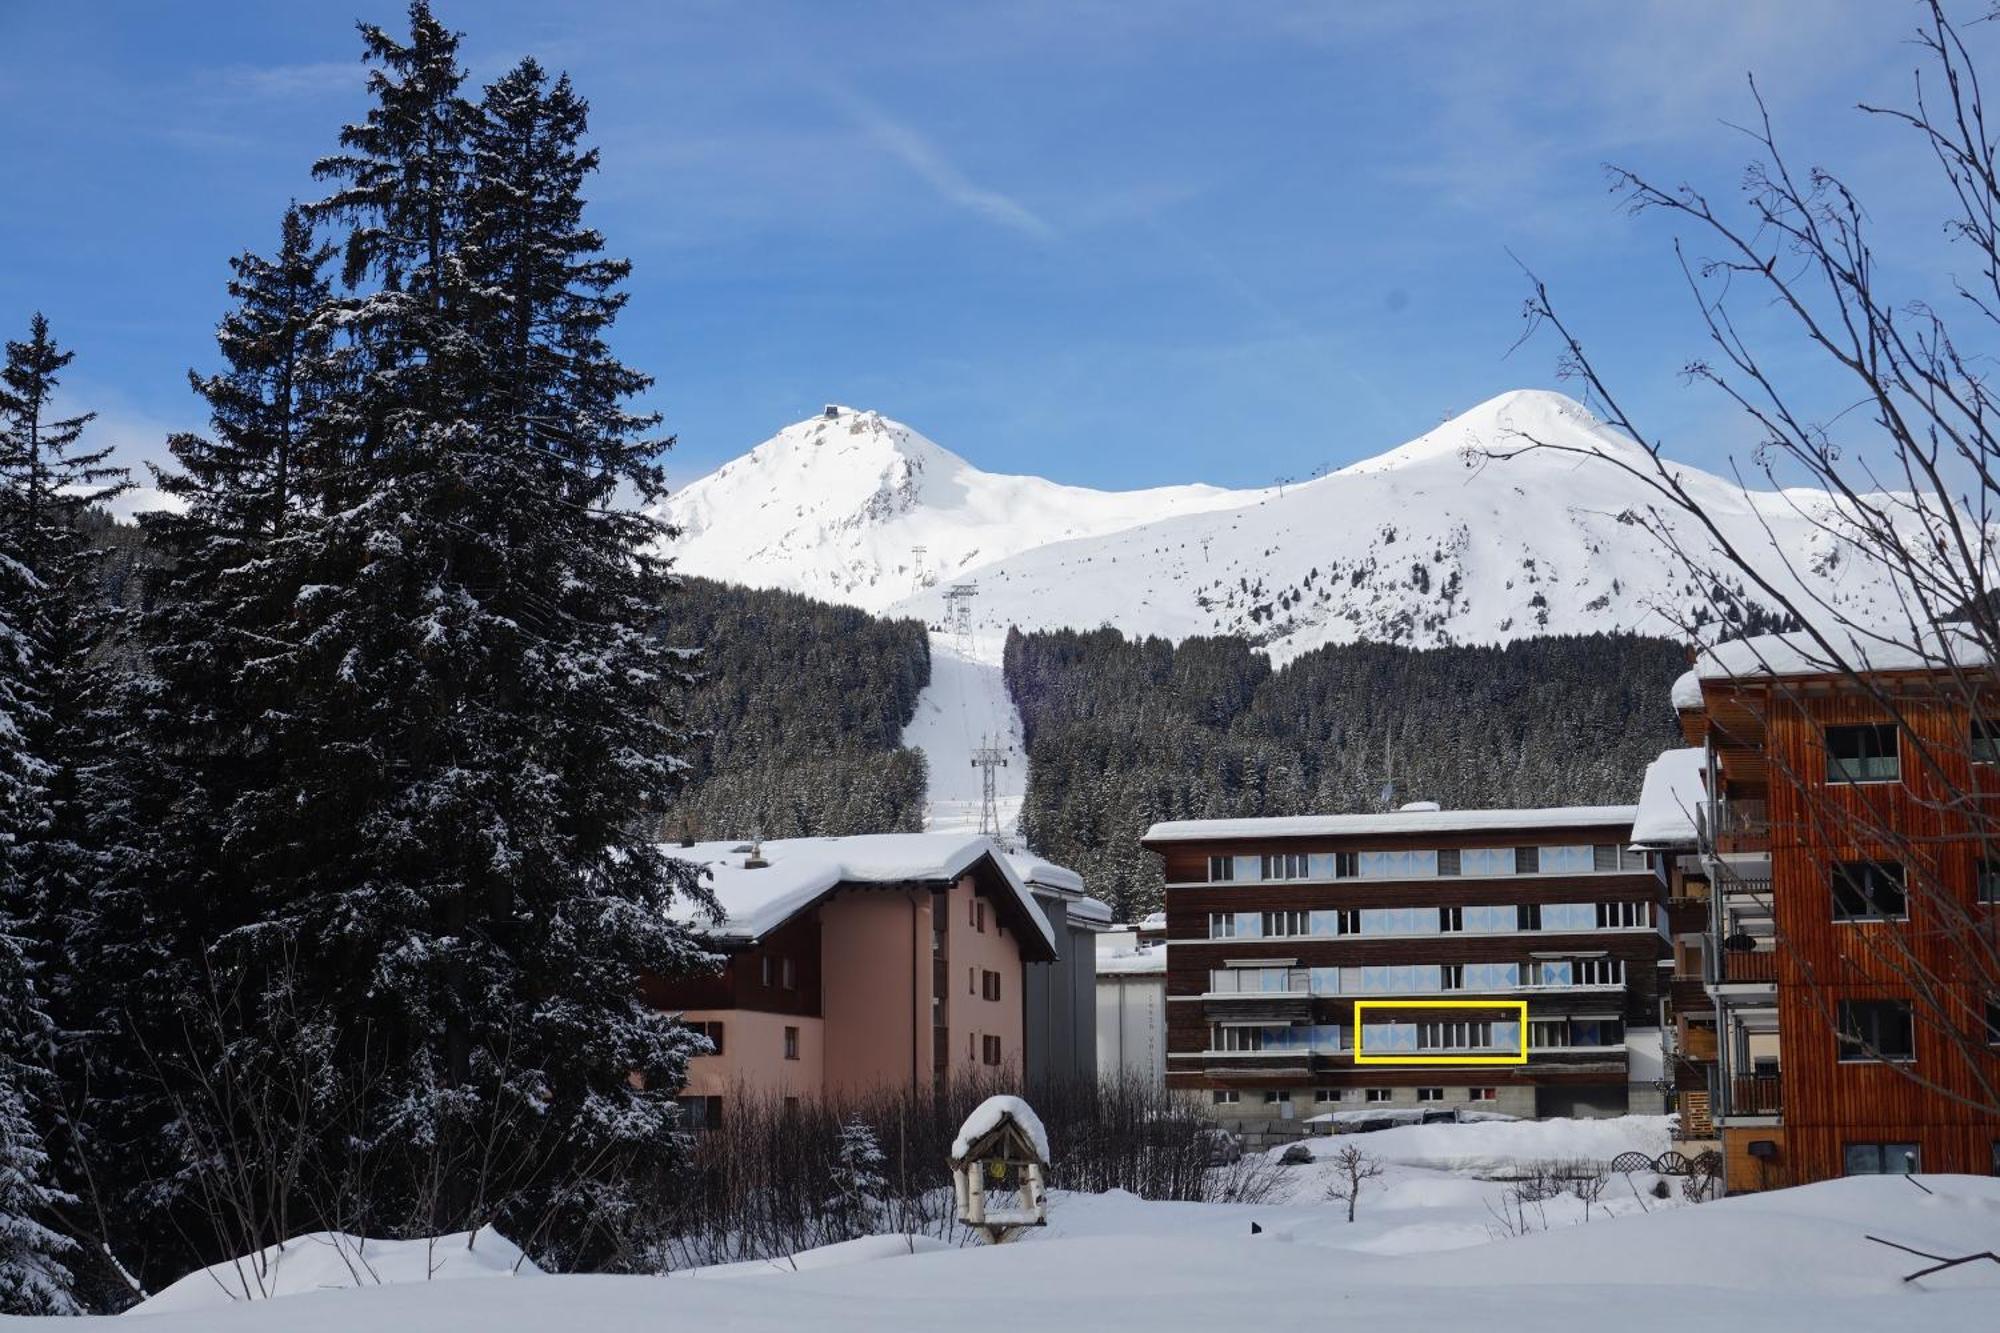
(999,1169)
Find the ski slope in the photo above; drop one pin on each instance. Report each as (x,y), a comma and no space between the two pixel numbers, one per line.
(966,703)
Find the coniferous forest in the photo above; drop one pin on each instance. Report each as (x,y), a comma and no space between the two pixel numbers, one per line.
(1123,733)
(798,714)
(329,847)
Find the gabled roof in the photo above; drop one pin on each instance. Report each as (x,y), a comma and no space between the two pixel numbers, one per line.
(1774,656)
(802,872)
(1673,791)
(1395,822)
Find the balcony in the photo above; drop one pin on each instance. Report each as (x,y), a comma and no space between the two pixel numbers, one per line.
(1684,916)
(1742,826)
(1756,1094)
(1761,966)
(1698,1044)
(1689,996)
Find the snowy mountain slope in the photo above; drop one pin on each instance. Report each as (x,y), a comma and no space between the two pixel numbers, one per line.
(836,507)
(1424,545)
(966,705)
(1419,545)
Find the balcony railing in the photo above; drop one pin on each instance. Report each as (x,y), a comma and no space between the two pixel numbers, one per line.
(1757,1094)
(1689,996)
(1760,966)
(1742,826)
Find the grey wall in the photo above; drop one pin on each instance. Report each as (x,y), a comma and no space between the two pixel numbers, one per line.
(1060,1020)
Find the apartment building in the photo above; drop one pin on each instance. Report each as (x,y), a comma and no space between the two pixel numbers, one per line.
(855,964)
(1847,841)
(1471,938)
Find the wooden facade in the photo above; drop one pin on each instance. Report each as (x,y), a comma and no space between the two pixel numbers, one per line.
(1769,747)
(1595,1080)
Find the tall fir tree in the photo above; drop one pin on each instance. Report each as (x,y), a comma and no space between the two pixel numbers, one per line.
(446,684)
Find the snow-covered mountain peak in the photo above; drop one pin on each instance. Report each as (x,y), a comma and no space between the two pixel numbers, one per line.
(1506,424)
(1435,541)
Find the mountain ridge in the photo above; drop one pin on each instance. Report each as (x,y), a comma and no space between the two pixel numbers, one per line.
(1431,542)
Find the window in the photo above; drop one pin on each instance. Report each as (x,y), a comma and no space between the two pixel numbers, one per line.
(1455,1035)
(786,976)
(990,1049)
(1989,883)
(1226,1096)
(1565,860)
(1486,861)
(1322,1096)
(1273,1096)
(989,985)
(1399,921)
(1607,858)
(1448,861)
(1482,1094)
(972,981)
(700,1113)
(1985,740)
(1451,920)
(1221,869)
(1376,1095)
(1596,1032)
(1341,921)
(1451,976)
(1880,1159)
(1528,916)
(1568,916)
(1287,923)
(1491,976)
(1235,925)
(1876,1030)
(765,969)
(1285,865)
(1430,1094)
(1868,891)
(1527,860)
(1600,971)
(791,1043)
(979,916)
(1551,972)
(713,1031)
(1862,754)
(1396,865)
(1548,1032)
(1623,916)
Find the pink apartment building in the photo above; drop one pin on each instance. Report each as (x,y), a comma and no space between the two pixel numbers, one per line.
(854,964)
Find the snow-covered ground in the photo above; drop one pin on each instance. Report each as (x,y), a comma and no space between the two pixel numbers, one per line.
(1426,1252)
(965,703)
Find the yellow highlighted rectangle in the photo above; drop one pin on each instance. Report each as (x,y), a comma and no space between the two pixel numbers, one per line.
(1433,1060)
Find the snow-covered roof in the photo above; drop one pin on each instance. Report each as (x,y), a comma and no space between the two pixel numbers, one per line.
(1687,690)
(986,1118)
(1146,960)
(1399,821)
(801,871)
(1667,802)
(1093,912)
(1769,656)
(1045,874)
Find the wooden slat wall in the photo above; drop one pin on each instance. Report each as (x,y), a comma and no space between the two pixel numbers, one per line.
(1827,1103)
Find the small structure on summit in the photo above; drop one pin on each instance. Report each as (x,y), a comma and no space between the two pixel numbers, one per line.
(999,1168)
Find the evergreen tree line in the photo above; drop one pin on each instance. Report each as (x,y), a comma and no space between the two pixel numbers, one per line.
(329,819)
(1121,733)
(798,715)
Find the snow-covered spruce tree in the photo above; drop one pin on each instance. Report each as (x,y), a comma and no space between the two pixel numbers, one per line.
(467,718)
(33,1276)
(161,999)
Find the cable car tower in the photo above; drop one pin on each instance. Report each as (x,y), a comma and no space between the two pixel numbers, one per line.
(989,758)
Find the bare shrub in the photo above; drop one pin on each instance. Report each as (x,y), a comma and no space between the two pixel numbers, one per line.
(1351,1168)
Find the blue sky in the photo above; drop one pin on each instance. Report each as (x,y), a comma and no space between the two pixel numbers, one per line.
(1118,244)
